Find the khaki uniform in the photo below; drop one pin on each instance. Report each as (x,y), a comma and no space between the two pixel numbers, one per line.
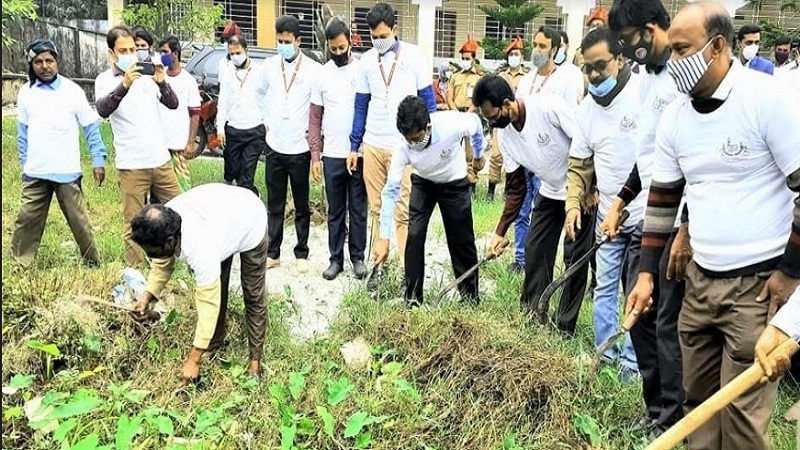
(496,159)
(462,84)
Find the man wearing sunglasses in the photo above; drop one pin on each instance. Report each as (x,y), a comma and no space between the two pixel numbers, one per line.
(433,150)
(731,141)
(642,27)
(604,149)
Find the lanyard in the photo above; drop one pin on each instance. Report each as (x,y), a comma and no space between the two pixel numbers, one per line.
(391,72)
(294,75)
(246,74)
(543,82)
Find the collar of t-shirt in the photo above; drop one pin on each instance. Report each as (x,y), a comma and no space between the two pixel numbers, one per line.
(53,85)
(708,105)
(394,47)
(659,66)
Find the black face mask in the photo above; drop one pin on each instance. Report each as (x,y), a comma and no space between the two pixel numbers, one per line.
(341,59)
(500,122)
(641,52)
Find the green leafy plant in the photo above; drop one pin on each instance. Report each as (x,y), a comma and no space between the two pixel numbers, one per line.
(192,19)
(51,352)
(587,427)
(14,10)
(512,15)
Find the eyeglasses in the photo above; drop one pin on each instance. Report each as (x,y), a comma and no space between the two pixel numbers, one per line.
(599,66)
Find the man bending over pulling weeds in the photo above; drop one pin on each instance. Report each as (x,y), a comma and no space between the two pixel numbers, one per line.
(180,229)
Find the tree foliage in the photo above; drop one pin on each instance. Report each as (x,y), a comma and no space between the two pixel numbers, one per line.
(73,9)
(14,10)
(188,19)
(512,15)
(771,31)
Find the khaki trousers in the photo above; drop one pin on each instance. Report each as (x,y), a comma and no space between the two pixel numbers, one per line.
(135,185)
(376,171)
(719,325)
(495,161)
(36,197)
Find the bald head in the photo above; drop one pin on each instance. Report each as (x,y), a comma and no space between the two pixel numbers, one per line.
(157,229)
(706,18)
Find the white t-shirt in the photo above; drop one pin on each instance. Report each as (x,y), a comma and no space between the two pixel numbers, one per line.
(335,90)
(287,112)
(217,221)
(176,121)
(562,82)
(53,117)
(735,161)
(139,141)
(411,74)
(241,101)
(542,146)
(610,134)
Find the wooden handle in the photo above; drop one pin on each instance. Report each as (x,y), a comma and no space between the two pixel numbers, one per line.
(623,217)
(630,321)
(99,301)
(714,404)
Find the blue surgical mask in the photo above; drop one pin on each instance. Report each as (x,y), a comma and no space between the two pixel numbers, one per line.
(126,61)
(143,55)
(561,56)
(604,88)
(514,61)
(287,51)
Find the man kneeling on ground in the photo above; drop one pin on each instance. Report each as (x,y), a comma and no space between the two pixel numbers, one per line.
(180,229)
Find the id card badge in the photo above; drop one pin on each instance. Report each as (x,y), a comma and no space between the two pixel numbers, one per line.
(470,88)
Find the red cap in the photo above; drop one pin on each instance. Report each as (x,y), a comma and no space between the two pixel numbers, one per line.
(469,46)
(600,13)
(516,44)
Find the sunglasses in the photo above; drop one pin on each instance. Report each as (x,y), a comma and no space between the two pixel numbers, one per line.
(599,66)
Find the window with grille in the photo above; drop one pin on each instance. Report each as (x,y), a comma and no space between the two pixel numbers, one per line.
(493,30)
(243,12)
(359,30)
(445,42)
(554,22)
(306,13)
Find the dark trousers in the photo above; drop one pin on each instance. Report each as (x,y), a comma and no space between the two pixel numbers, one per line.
(347,196)
(242,149)
(655,341)
(283,170)
(455,204)
(541,246)
(253,268)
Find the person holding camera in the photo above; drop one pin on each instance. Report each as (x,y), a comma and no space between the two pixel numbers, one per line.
(132,100)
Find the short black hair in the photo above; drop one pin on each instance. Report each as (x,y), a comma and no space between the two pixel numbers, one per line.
(720,23)
(552,34)
(380,12)
(783,40)
(115,33)
(143,34)
(637,14)
(493,89)
(173,43)
(154,224)
(412,115)
(288,24)
(238,40)
(599,35)
(335,28)
(747,29)
(564,37)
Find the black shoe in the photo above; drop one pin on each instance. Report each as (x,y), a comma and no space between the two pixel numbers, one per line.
(374,279)
(333,270)
(360,269)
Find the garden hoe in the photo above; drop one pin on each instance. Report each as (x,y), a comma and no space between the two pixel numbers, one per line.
(629,322)
(488,257)
(714,404)
(150,315)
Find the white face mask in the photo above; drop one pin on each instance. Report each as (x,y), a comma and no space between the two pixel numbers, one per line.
(750,52)
(465,65)
(514,61)
(239,59)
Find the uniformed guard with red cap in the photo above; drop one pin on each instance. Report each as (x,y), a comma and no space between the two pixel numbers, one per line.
(459,95)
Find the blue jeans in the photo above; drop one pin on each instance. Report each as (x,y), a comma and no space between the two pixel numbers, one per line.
(611,257)
(523,221)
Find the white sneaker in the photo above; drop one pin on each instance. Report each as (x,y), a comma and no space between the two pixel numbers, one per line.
(272,263)
(302,266)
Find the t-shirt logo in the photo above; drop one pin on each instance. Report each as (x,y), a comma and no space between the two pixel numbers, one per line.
(659,104)
(627,124)
(733,150)
(446,153)
(543,138)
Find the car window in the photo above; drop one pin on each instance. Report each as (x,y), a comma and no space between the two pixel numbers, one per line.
(211,63)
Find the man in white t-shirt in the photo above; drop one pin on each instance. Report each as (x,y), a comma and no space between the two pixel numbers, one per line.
(735,132)
(547,76)
(569,66)
(133,102)
(604,149)
(433,150)
(287,79)
(534,133)
(391,70)
(331,120)
(181,124)
(51,108)
(206,227)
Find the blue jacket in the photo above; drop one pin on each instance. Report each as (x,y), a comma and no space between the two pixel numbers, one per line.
(762,65)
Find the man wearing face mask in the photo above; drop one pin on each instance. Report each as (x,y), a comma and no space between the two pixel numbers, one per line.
(549,77)
(144,43)
(459,93)
(133,104)
(735,131)
(783,48)
(287,79)
(206,227)
(604,149)
(330,121)
(433,150)
(642,26)
(749,38)
(181,124)
(537,141)
(51,110)
(240,117)
(390,71)
(561,61)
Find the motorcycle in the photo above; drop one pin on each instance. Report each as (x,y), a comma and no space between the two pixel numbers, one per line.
(207,132)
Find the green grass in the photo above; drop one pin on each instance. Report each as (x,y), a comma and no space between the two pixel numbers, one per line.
(446,377)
